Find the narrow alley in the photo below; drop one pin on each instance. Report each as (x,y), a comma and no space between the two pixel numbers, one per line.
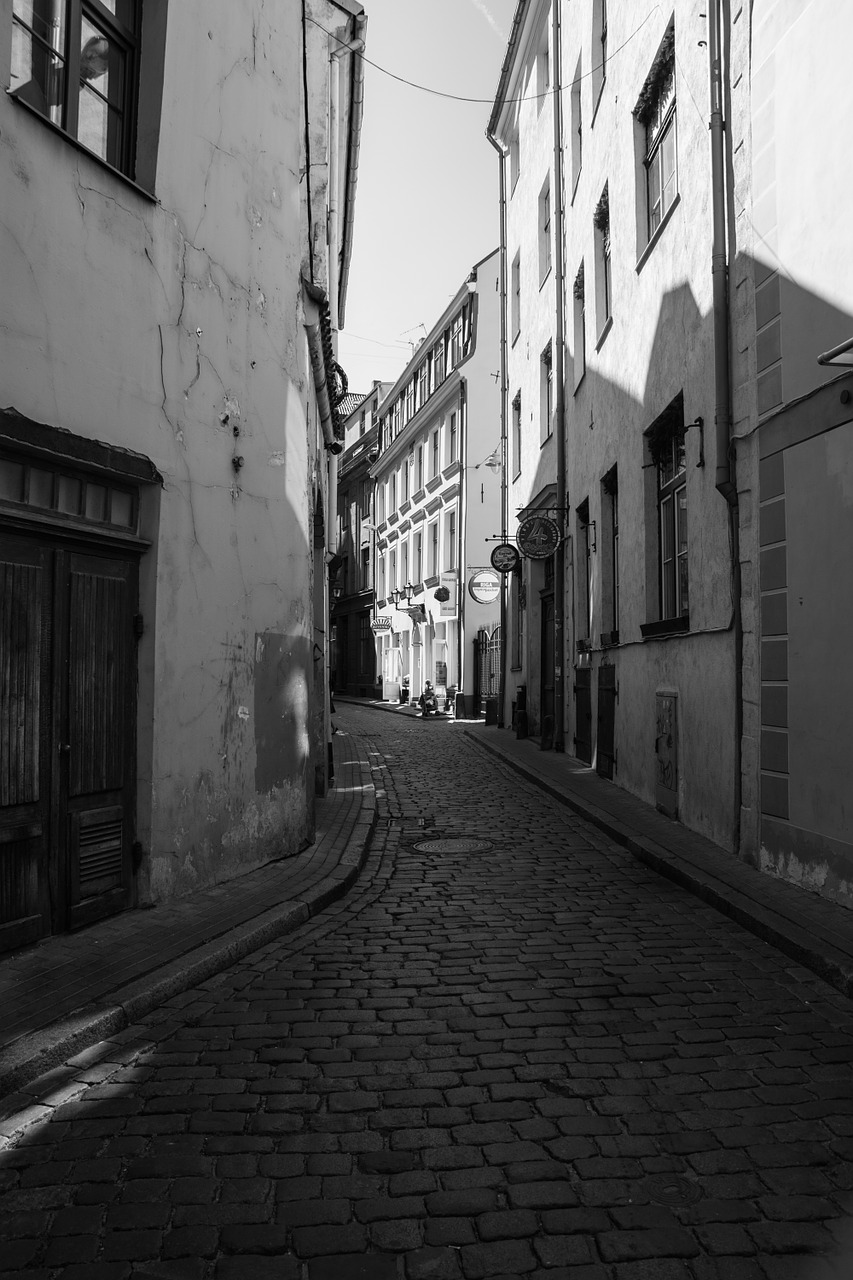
(523,1055)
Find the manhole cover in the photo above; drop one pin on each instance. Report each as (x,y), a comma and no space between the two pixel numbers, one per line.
(449,845)
(672,1189)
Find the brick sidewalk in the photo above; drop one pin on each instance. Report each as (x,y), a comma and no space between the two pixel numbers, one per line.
(814,931)
(68,991)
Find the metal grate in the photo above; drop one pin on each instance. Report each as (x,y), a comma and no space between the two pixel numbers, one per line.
(100,852)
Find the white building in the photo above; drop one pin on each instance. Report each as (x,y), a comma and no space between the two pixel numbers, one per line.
(437,502)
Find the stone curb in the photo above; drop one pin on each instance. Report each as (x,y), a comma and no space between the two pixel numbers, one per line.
(821,957)
(33,1055)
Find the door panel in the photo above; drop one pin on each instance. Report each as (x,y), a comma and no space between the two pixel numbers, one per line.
(583,714)
(546,693)
(24,742)
(97,787)
(605,754)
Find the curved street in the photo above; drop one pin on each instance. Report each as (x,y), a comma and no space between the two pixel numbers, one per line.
(534,1058)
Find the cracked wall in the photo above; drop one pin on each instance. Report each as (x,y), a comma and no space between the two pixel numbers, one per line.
(173,327)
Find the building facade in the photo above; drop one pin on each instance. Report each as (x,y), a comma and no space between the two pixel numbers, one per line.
(438,501)
(169,305)
(675,401)
(609,309)
(354,651)
(793,348)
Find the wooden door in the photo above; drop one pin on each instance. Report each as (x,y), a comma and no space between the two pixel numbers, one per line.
(546,689)
(95,705)
(25,615)
(67,733)
(605,738)
(583,714)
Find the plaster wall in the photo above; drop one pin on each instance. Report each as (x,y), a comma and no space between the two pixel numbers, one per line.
(657,342)
(172,327)
(532,469)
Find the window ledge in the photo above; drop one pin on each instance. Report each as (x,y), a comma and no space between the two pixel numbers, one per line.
(544,279)
(433,484)
(433,580)
(666,627)
(545,440)
(577,179)
(515,337)
(644,256)
(577,386)
(608,325)
(609,639)
(78,146)
(419,496)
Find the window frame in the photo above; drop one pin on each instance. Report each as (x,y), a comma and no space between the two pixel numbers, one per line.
(516,432)
(67,62)
(545,258)
(546,393)
(515,297)
(673,575)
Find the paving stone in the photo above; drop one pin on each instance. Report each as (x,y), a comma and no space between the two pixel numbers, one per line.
(433,1264)
(512,1257)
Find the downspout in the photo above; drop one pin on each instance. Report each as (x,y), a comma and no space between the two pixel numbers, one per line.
(725,481)
(335,252)
(461,540)
(562,486)
(505,578)
(356,116)
(307,144)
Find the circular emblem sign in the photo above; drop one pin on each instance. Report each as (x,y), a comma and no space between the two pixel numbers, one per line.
(504,557)
(538,537)
(484,586)
(380,624)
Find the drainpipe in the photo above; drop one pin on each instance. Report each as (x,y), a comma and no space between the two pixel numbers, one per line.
(504,458)
(562,486)
(334,250)
(719,264)
(725,481)
(462,539)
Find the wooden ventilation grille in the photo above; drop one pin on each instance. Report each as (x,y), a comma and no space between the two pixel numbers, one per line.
(100,855)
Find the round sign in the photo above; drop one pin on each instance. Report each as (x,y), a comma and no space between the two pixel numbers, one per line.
(504,557)
(538,537)
(380,624)
(484,586)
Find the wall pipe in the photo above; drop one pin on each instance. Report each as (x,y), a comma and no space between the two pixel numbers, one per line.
(725,480)
(558,362)
(505,577)
(719,264)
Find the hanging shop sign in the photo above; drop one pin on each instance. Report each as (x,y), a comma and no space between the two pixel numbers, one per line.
(446,595)
(380,624)
(538,537)
(505,557)
(484,586)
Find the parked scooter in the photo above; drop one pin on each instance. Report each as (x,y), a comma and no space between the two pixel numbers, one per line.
(428,702)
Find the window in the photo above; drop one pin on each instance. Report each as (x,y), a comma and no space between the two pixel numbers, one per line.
(543,70)
(365,569)
(397,412)
(516,432)
(382,578)
(433,549)
(579,292)
(77,63)
(599,48)
(420,467)
(392,493)
(584,570)
(72,495)
(610,557)
(517,589)
(601,219)
(450,540)
(380,494)
(576,126)
(392,573)
(436,459)
(451,439)
(456,341)
(515,297)
(666,446)
(362,423)
(438,364)
(546,394)
(406,478)
(514,161)
(418,558)
(655,111)
(545,232)
(410,401)
(404,563)
(423,384)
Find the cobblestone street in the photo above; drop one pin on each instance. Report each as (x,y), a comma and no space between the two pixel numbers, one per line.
(539,1059)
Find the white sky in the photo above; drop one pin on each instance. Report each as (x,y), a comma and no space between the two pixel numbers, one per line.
(427,201)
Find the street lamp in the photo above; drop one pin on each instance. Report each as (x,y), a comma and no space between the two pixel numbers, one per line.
(403,594)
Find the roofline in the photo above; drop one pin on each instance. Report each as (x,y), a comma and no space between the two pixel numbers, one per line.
(507,65)
(439,324)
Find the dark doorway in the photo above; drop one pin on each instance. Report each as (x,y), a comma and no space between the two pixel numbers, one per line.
(546,688)
(583,714)
(67,736)
(605,756)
